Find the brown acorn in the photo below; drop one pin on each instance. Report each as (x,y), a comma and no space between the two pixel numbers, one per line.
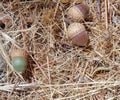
(78,12)
(78,34)
(19,59)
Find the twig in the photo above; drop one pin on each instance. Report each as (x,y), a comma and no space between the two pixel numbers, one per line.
(56,8)
(107,34)
(110,11)
(23,33)
(102,69)
(106,15)
(13,89)
(40,67)
(98,9)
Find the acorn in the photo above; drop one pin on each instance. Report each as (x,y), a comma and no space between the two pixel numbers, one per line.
(78,34)
(78,12)
(19,60)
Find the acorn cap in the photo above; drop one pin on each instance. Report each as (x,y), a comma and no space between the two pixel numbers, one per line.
(78,12)
(19,53)
(74,29)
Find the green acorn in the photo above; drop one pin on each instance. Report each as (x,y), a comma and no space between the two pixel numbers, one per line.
(19,60)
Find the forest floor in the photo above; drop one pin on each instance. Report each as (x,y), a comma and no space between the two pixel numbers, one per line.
(57,69)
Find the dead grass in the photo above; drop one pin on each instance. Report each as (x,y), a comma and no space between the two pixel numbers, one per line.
(58,70)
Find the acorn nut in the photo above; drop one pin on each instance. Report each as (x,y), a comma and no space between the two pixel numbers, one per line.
(78,12)
(78,34)
(19,60)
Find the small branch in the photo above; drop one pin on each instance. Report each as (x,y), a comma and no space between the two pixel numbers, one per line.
(107,34)
(13,89)
(22,27)
(98,9)
(23,33)
(106,14)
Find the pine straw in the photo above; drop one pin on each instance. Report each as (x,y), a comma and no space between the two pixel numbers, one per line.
(57,69)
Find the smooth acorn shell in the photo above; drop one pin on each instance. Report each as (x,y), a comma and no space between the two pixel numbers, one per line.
(81,39)
(19,64)
(78,34)
(19,60)
(78,12)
